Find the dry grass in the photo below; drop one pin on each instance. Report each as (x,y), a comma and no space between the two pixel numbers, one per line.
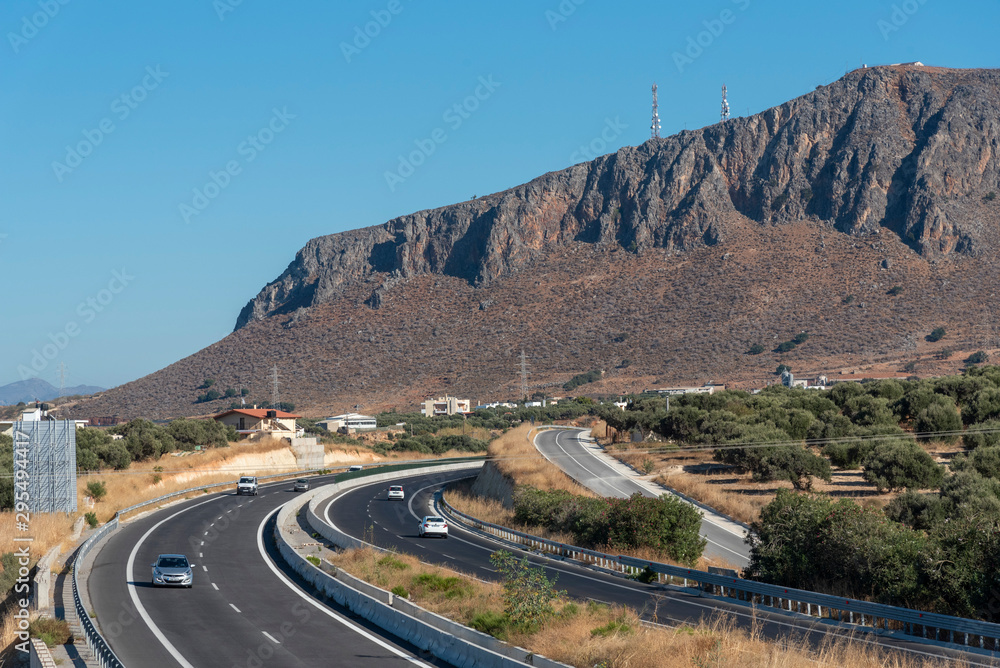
(515,456)
(742,507)
(569,635)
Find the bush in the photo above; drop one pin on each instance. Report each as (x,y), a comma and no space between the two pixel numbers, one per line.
(982,435)
(848,454)
(666,524)
(97,490)
(942,421)
(800,338)
(937,334)
(493,623)
(978,357)
(189,434)
(901,465)
(985,460)
(527,593)
(583,379)
(785,346)
(756,349)
(50,631)
(400,591)
(895,290)
(91,520)
(207,383)
(782,368)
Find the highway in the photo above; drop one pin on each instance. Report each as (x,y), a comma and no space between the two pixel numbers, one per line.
(245,608)
(565,449)
(366,513)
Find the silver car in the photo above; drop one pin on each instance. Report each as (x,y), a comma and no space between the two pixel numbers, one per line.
(172,570)
(301,485)
(433,526)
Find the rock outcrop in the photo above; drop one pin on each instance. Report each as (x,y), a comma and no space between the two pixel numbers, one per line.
(908,149)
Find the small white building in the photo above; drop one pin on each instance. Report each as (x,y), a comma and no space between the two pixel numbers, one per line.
(256,422)
(446,406)
(349,422)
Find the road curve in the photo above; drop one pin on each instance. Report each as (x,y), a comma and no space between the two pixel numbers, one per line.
(367,514)
(242,609)
(565,449)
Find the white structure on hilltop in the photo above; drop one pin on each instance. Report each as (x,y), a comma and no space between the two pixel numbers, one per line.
(655,126)
(446,406)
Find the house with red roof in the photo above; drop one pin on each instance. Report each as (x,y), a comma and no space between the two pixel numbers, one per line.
(257,422)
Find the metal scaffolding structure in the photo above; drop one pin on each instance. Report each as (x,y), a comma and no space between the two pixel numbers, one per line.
(725,104)
(51,464)
(655,126)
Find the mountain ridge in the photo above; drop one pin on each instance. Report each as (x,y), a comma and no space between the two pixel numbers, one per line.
(863,212)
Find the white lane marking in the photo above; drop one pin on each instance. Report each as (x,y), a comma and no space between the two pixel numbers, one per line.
(354,627)
(271,638)
(215,586)
(235,608)
(204,568)
(134,595)
(488,569)
(201,556)
(447,556)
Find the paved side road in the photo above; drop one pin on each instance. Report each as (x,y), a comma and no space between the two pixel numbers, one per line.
(582,459)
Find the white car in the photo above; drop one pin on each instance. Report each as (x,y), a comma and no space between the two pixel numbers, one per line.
(356,467)
(395,492)
(433,526)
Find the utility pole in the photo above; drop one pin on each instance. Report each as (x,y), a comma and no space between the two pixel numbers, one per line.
(655,126)
(62,378)
(274,386)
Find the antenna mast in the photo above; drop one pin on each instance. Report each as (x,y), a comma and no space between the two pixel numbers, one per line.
(62,378)
(655,127)
(725,105)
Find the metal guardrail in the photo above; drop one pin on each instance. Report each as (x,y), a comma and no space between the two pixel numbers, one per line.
(912,623)
(97,643)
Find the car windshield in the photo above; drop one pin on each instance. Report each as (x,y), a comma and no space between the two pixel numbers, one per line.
(244,480)
(434,520)
(396,489)
(173,562)
(301,482)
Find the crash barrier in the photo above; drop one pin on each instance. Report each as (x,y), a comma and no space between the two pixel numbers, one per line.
(876,616)
(103,653)
(447,640)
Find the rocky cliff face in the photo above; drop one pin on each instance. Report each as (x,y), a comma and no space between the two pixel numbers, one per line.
(911,150)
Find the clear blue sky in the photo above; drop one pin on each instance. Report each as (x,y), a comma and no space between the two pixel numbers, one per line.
(199,77)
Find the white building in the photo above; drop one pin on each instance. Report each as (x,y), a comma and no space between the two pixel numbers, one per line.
(446,406)
(349,422)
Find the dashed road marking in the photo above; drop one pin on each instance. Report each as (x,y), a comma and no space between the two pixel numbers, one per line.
(271,638)
(215,586)
(234,608)
(204,568)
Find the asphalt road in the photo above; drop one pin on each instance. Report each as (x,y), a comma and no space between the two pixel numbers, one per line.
(246,607)
(366,513)
(564,448)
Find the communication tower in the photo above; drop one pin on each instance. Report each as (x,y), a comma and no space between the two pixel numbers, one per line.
(725,105)
(655,127)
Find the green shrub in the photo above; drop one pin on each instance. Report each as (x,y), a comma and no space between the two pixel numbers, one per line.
(895,290)
(940,420)
(978,357)
(785,346)
(50,631)
(666,524)
(494,623)
(400,591)
(985,460)
(91,520)
(393,562)
(528,594)
(901,465)
(937,334)
(613,628)
(313,560)
(582,379)
(97,490)
(451,586)
(756,349)
(982,435)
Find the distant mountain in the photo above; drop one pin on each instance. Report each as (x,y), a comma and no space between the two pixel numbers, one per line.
(36,388)
(864,214)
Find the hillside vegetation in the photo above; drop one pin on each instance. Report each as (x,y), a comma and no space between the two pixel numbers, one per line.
(934,546)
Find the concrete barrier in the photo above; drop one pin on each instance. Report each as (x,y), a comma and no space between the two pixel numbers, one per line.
(42,591)
(447,640)
(39,655)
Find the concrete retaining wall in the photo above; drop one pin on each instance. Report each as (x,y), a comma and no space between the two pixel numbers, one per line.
(444,638)
(39,655)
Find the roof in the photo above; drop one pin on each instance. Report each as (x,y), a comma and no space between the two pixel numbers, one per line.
(348,416)
(259,413)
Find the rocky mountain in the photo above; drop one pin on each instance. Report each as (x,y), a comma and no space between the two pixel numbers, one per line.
(908,150)
(38,389)
(863,213)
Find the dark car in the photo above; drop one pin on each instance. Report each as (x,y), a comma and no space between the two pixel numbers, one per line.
(172,570)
